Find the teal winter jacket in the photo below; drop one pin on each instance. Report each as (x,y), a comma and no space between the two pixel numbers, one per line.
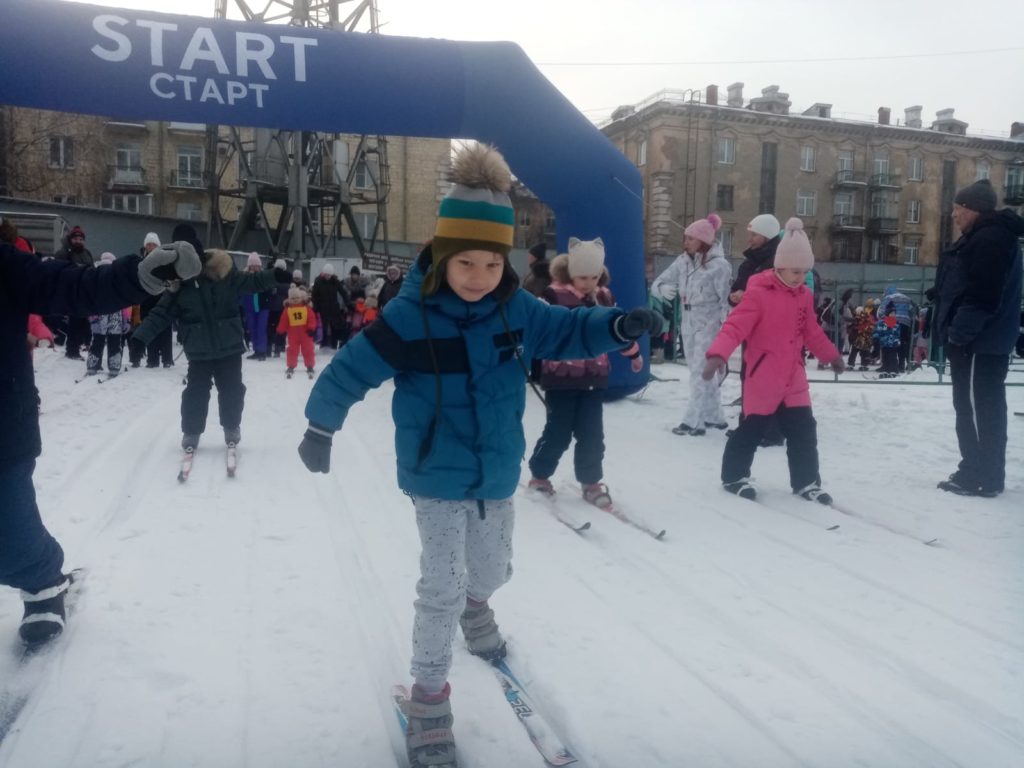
(460,383)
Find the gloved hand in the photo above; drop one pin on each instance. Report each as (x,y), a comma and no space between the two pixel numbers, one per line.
(637,364)
(636,323)
(282,276)
(170,262)
(711,367)
(838,365)
(315,449)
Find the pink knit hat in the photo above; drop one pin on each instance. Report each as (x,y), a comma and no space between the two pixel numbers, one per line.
(704,229)
(253,261)
(794,251)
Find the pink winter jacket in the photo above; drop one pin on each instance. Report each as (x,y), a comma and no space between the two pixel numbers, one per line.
(776,322)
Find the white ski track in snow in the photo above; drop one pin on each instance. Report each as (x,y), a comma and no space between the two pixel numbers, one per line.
(573,522)
(32,662)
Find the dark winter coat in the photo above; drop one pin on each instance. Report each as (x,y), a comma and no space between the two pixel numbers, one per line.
(206,309)
(460,390)
(328,299)
(978,286)
(388,291)
(82,258)
(755,260)
(539,278)
(28,285)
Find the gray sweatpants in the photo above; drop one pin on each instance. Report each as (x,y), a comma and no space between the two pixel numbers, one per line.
(463,554)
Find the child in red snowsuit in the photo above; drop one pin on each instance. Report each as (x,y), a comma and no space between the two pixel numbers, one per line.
(39,335)
(298,320)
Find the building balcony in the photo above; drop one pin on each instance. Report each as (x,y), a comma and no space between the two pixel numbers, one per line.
(1014,195)
(126,126)
(886,181)
(126,177)
(181,180)
(883,225)
(852,179)
(844,222)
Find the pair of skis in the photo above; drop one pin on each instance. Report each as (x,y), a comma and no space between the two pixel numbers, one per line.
(291,372)
(230,462)
(542,734)
(579,526)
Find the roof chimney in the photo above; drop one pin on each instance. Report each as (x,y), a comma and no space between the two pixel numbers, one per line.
(771,101)
(946,123)
(883,115)
(913,116)
(735,95)
(818,110)
(1017,130)
(711,95)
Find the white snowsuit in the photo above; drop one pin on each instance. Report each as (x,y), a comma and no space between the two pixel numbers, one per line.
(463,554)
(703,291)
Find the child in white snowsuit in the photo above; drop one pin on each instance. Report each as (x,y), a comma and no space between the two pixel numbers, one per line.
(575,388)
(457,341)
(701,277)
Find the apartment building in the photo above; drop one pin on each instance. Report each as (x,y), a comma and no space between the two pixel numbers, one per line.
(869,192)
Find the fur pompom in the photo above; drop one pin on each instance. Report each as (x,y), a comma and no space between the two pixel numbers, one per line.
(481,166)
(794,225)
(715,221)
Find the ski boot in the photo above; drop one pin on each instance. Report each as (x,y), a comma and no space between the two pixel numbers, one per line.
(742,488)
(232,435)
(686,429)
(310,372)
(189,442)
(813,492)
(716,424)
(481,632)
(541,485)
(44,613)
(429,741)
(597,494)
(288,372)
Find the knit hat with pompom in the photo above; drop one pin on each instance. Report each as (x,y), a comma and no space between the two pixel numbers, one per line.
(704,229)
(794,251)
(477,213)
(253,261)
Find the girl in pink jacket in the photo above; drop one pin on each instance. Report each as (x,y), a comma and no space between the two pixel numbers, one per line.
(776,319)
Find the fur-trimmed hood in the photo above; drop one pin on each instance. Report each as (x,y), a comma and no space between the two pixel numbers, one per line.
(560,272)
(218,264)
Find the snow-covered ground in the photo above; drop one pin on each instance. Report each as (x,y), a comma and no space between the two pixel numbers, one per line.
(261,621)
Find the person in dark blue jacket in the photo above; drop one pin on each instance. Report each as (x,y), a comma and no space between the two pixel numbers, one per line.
(30,558)
(457,340)
(977,309)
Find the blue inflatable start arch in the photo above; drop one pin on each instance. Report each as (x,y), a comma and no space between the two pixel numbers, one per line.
(141,65)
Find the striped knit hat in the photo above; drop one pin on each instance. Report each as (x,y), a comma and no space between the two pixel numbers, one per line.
(476,214)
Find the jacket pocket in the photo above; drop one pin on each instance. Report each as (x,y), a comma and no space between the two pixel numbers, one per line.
(755,366)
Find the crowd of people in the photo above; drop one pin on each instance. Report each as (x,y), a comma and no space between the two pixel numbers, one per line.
(461,340)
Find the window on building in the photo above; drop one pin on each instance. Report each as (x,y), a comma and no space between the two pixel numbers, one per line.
(1014,176)
(807,155)
(62,152)
(982,170)
(366,222)
(914,212)
(128,164)
(842,250)
(726,150)
(364,176)
(876,253)
(189,211)
(190,167)
(66,199)
(549,223)
(641,153)
(524,218)
(843,205)
(725,238)
(911,250)
(769,167)
(881,163)
(724,197)
(916,172)
(845,160)
(129,203)
(806,202)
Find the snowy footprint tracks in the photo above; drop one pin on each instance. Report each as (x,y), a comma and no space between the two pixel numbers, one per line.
(230,462)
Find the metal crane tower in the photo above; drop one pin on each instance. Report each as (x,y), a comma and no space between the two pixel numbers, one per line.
(296,187)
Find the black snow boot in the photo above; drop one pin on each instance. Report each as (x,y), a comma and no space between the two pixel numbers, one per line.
(44,613)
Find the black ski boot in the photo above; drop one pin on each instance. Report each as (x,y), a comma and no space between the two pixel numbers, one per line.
(44,613)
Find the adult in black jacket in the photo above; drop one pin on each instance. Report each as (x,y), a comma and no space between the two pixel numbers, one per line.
(30,558)
(329,300)
(75,252)
(393,280)
(763,237)
(977,308)
(539,278)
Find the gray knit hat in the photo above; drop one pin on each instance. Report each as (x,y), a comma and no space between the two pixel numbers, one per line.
(979,196)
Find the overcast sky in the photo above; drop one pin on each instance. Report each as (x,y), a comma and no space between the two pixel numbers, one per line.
(601,54)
